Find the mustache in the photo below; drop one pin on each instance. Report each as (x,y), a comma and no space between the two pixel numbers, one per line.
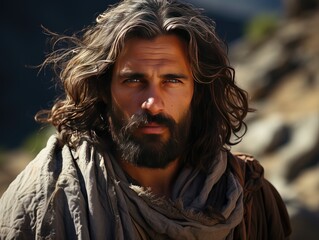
(138,120)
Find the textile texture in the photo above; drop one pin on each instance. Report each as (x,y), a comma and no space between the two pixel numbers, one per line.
(84,194)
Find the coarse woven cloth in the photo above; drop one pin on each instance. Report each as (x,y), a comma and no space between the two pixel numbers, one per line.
(84,194)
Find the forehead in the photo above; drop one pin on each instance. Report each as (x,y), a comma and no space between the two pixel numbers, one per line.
(163,49)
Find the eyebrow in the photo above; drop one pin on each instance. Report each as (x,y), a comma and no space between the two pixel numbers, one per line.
(131,75)
(139,75)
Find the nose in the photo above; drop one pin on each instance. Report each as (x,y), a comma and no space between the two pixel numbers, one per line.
(154,102)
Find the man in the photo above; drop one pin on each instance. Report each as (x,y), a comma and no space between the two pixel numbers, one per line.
(143,136)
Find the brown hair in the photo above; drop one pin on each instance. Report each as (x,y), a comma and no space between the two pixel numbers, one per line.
(219,106)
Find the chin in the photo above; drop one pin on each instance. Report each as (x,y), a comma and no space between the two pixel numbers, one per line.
(150,153)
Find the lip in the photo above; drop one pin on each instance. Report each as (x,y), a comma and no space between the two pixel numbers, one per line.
(152,128)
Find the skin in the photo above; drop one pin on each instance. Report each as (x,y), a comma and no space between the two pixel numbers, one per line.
(154,76)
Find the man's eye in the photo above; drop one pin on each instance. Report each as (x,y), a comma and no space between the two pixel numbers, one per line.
(133,80)
(173,81)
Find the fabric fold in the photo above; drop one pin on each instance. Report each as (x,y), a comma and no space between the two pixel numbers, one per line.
(84,194)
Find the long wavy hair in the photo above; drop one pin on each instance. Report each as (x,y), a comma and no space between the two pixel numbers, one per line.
(83,63)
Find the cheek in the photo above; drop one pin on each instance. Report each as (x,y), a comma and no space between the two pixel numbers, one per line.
(188,96)
(181,106)
(124,102)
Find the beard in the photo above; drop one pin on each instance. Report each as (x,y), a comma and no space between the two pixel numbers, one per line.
(148,150)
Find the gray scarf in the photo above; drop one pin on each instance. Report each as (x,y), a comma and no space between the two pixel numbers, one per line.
(140,215)
(84,194)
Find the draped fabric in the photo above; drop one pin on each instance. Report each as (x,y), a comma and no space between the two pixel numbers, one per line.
(84,194)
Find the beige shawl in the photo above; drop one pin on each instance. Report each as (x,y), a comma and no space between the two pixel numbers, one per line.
(84,194)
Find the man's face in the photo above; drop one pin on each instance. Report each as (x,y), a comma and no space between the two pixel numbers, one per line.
(152,89)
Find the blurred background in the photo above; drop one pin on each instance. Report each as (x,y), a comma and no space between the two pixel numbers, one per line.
(273,46)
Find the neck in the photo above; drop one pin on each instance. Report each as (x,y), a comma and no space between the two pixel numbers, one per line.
(160,180)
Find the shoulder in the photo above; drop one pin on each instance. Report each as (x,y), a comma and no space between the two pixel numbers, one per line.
(266,216)
(20,204)
(45,164)
(248,170)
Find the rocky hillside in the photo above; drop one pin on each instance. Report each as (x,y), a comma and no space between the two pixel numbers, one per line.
(281,73)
